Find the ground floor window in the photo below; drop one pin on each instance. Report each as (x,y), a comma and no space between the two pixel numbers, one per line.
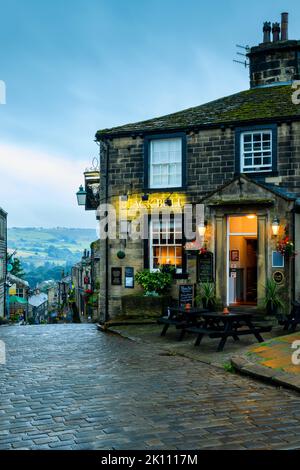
(165,242)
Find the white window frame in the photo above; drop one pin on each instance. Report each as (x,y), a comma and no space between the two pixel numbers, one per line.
(166,164)
(164,245)
(263,168)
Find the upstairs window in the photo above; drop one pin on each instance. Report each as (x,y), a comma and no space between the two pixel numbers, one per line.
(256,151)
(165,161)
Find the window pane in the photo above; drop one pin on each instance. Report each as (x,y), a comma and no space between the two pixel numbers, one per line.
(165,162)
(256,151)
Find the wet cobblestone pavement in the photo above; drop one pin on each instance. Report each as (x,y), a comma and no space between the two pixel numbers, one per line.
(72,387)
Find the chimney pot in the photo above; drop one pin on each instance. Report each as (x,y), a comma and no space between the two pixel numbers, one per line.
(267,31)
(276,32)
(284,26)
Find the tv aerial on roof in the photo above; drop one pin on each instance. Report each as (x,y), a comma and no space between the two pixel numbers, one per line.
(244,62)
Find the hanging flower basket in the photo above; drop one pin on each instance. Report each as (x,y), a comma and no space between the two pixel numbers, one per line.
(286,247)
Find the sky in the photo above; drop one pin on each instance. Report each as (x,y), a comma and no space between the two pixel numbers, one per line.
(72,67)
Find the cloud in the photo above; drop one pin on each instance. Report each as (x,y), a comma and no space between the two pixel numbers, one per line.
(38,188)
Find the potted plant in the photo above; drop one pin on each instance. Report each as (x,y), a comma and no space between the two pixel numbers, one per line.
(207,295)
(154,283)
(273,300)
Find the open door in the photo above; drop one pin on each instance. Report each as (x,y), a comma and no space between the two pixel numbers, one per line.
(242,260)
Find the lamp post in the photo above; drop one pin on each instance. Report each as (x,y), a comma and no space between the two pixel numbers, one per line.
(81,196)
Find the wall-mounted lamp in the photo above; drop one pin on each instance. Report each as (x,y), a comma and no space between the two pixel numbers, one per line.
(202,228)
(251,216)
(168,202)
(81,196)
(275,226)
(145,197)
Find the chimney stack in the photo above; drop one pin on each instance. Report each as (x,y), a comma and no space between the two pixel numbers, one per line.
(276,32)
(267,31)
(284,26)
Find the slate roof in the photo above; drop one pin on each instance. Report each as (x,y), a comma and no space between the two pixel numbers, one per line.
(257,104)
(38,299)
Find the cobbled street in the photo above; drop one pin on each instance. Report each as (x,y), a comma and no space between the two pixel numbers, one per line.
(73,387)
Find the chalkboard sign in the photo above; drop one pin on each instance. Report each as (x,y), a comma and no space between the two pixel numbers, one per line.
(205,267)
(129,278)
(186,294)
(116,276)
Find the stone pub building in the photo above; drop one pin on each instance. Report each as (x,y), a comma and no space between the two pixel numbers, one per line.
(240,157)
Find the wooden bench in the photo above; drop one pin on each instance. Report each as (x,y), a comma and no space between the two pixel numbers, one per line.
(181,319)
(232,325)
(293,319)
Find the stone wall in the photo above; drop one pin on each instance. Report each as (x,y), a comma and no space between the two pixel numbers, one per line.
(3,244)
(210,164)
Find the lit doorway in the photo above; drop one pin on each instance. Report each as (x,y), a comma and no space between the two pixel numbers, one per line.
(242,260)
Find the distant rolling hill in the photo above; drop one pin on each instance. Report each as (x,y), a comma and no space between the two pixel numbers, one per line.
(42,248)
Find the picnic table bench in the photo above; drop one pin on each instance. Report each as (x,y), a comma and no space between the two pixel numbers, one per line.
(293,319)
(219,325)
(181,319)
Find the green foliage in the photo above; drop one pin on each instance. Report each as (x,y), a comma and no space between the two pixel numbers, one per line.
(157,281)
(274,295)
(229,367)
(14,317)
(17,269)
(207,295)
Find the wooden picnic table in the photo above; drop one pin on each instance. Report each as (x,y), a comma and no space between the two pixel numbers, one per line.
(293,319)
(181,318)
(223,326)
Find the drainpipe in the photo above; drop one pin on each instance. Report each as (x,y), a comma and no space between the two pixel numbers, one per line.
(104,146)
(293,273)
(106,240)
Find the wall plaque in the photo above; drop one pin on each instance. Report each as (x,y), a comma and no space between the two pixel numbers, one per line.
(116,276)
(278,277)
(186,294)
(205,267)
(129,278)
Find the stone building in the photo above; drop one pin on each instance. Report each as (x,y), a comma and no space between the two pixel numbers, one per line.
(38,308)
(239,156)
(18,290)
(86,282)
(3,251)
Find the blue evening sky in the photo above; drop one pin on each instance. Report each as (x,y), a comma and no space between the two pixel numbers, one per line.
(74,66)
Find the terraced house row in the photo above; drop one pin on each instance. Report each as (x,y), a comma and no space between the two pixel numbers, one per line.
(240,157)
(3,247)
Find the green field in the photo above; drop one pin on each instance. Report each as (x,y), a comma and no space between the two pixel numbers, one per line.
(39,247)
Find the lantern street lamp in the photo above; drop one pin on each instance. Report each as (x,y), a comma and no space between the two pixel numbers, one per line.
(275,226)
(81,196)
(202,228)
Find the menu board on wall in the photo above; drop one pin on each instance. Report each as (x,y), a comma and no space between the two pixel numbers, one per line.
(186,294)
(205,267)
(116,276)
(129,278)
